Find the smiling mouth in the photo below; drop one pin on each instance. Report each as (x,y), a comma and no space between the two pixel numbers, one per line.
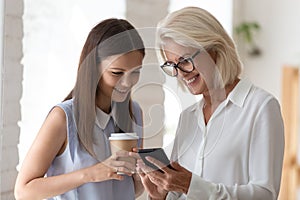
(191,80)
(122,91)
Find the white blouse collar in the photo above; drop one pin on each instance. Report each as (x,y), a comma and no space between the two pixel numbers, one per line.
(236,96)
(102,118)
(240,92)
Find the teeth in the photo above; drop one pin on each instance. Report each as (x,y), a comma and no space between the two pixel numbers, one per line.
(190,80)
(122,91)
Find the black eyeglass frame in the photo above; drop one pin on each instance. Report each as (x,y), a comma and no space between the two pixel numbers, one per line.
(176,65)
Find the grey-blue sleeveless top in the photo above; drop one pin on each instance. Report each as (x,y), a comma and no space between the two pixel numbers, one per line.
(75,157)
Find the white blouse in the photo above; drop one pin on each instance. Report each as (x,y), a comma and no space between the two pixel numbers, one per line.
(239,153)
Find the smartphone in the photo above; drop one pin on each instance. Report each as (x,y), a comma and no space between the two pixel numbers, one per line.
(158,154)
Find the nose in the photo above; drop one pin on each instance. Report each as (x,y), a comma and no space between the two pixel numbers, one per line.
(125,82)
(181,74)
(129,80)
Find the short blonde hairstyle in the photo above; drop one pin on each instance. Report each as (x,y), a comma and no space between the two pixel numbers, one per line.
(195,27)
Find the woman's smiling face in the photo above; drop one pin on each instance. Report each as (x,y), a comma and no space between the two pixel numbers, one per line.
(197,81)
(121,73)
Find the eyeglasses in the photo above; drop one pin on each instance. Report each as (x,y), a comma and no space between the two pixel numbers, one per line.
(185,64)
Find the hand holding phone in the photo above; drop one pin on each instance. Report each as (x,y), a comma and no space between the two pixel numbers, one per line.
(156,153)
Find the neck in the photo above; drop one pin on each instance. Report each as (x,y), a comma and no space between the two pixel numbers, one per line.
(214,97)
(104,104)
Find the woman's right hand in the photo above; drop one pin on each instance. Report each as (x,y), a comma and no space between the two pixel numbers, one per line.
(155,192)
(108,169)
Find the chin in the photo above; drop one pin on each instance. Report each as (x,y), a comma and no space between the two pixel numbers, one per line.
(119,97)
(194,91)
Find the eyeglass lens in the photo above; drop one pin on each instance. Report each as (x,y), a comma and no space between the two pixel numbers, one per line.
(184,65)
(170,69)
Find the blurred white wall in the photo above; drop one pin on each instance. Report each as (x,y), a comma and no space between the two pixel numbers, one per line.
(54,34)
(221,9)
(1,78)
(11,73)
(278,39)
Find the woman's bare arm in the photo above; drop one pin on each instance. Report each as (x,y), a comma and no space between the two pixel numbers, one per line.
(31,183)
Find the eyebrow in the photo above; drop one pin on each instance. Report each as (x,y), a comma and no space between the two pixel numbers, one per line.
(186,54)
(180,56)
(139,67)
(116,68)
(183,56)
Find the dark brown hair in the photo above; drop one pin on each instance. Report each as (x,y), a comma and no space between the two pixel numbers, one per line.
(109,37)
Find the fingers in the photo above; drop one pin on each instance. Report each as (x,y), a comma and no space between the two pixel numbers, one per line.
(145,178)
(150,175)
(124,167)
(144,168)
(116,176)
(121,166)
(140,172)
(134,155)
(135,149)
(102,172)
(176,166)
(157,163)
(126,154)
(124,161)
(122,153)
(125,171)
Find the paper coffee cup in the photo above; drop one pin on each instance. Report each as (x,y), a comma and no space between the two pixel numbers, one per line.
(123,141)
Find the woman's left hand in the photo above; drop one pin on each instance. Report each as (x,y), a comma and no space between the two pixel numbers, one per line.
(177,179)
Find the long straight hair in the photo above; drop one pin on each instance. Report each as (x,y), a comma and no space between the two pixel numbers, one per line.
(109,37)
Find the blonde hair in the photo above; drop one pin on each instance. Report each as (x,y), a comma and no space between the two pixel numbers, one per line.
(195,27)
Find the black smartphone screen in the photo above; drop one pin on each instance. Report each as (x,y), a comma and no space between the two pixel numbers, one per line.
(158,154)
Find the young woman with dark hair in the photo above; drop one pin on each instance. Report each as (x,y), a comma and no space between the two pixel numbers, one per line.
(70,157)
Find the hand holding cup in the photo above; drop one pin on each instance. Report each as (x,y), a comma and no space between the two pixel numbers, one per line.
(123,142)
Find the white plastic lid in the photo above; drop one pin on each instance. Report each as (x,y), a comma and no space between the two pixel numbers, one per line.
(123,136)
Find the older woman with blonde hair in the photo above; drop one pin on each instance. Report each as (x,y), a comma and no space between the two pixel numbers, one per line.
(230,144)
